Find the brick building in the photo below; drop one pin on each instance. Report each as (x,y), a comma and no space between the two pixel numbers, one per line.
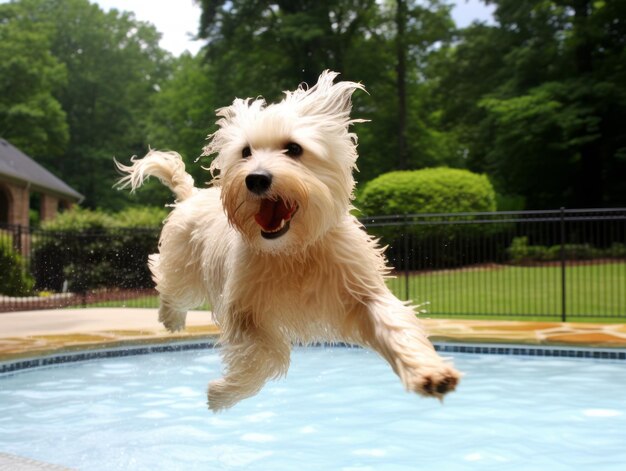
(21,176)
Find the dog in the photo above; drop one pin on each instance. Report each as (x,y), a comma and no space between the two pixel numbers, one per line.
(272,245)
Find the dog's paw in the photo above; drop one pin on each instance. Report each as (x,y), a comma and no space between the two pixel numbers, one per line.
(171,319)
(172,326)
(219,396)
(435,382)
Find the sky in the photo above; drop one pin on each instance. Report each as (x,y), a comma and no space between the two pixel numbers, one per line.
(177,20)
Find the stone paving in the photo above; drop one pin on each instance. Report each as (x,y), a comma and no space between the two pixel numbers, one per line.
(36,333)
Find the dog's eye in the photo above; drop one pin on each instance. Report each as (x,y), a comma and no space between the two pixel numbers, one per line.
(293,150)
(246,152)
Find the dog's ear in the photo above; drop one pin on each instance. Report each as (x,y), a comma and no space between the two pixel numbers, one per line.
(229,114)
(229,123)
(325,98)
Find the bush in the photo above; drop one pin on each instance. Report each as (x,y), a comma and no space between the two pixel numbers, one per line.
(15,280)
(443,241)
(431,190)
(79,219)
(510,202)
(93,249)
(138,216)
(520,252)
(617,250)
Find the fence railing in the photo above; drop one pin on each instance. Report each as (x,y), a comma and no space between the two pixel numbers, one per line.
(556,264)
(548,265)
(79,267)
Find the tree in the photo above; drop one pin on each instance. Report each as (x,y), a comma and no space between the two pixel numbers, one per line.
(259,47)
(403,130)
(401,71)
(181,117)
(31,116)
(113,65)
(543,119)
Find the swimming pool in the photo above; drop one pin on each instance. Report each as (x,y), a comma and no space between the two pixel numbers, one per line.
(339,409)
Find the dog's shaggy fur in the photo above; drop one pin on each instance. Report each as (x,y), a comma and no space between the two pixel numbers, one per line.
(272,246)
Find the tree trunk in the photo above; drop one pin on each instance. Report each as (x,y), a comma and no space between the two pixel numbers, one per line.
(589,185)
(401,19)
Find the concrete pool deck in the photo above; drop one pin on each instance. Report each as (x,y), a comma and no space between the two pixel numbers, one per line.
(36,333)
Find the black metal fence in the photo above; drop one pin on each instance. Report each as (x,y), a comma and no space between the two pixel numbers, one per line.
(43,269)
(555,264)
(549,265)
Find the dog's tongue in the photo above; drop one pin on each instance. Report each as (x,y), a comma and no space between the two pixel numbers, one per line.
(271,213)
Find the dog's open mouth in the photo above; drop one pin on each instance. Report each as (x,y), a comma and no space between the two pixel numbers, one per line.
(274,217)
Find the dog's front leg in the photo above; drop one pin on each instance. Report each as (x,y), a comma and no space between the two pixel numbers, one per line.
(252,355)
(395,333)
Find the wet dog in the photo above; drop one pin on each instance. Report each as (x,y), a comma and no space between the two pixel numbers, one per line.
(273,247)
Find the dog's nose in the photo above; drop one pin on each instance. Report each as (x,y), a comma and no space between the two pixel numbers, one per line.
(259,182)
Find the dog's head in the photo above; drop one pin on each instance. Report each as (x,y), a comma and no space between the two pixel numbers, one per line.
(285,169)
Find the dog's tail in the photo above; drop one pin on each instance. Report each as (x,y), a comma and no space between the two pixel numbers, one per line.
(166,166)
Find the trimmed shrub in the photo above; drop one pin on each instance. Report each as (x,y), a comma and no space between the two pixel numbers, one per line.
(79,219)
(444,242)
(617,250)
(520,252)
(15,280)
(431,190)
(140,216)
(93,249)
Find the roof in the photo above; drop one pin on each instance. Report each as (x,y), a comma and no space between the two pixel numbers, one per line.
(18,166)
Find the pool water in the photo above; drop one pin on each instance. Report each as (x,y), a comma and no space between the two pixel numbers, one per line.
(339,409)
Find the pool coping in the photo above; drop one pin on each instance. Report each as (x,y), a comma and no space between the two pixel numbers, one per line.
(134,349)
(56,333)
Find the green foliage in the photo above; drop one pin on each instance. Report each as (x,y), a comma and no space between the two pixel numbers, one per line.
(75,89)
(15,280)
(283,44)
(430,191)
(263,47)
(433,190)
(94,249)
(181,117)
(535,97)
(140,216)
(510,202)
(79,219)
(522,253)
(31,116)
(82,219)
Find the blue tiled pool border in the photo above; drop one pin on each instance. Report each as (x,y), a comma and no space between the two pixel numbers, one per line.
(535,351)
(98,354)
(483,349)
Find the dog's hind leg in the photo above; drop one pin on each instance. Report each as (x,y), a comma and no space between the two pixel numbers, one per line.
(171,317)
(178,287)
(393,330)
(252,356)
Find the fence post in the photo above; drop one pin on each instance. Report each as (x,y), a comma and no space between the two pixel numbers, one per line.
(406,257)
(563,266)
(17,239)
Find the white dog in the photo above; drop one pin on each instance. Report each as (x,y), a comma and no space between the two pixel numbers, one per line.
(272,246)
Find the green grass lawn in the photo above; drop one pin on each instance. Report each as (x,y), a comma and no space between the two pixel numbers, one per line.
(594,293)
(144,301)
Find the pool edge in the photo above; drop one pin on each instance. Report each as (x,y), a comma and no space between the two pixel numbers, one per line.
(72,356)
